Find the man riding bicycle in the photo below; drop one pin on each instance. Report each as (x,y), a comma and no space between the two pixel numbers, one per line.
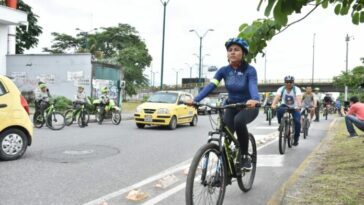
(327,100)
(241,83)
(290,97)
(268,103)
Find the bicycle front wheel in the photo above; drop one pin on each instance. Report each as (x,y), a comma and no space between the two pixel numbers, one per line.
(282,137)
(270,116)
(246,180)
(290,133)
(68,115)
(55,121)
(207,177)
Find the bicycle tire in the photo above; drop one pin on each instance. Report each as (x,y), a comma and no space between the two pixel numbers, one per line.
(116,117)
(326,114)
(68,117)
(290,134)
(206,182)
(246,180)
(53,118)
(282,137)
(38,119)
(99,115)
(270,116)
(305,128)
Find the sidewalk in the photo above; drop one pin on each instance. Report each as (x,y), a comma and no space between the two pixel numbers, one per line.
(332,174)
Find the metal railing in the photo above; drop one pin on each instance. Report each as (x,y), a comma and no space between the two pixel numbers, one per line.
(324,80)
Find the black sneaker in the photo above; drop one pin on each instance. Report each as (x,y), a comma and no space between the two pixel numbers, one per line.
(353,136)
(246,164)
(295,143)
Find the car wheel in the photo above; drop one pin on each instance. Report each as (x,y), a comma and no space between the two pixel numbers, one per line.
(194,121)
(173,123)
(13,143)
(141,126)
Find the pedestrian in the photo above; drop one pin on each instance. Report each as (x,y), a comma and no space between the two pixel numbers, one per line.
(318,104)
(240,79)
(355,116)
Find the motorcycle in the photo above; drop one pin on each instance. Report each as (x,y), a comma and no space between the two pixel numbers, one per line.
(107,110)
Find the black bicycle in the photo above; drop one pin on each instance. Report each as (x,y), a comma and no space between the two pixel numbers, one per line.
(269,113)
(217,162)
(286,130)
(306,121)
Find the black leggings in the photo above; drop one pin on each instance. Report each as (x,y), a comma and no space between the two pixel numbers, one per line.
(237,120)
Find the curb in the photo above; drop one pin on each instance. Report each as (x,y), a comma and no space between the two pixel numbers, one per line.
(278,196)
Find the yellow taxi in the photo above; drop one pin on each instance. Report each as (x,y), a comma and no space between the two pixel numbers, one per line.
(16,129)
(166,108)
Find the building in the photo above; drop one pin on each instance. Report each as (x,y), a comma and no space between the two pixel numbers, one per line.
(9,19)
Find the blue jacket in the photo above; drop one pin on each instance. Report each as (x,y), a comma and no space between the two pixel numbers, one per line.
(241,84)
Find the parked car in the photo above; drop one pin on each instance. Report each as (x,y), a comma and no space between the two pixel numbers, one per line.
(16,128)
(166,108)
(204,109)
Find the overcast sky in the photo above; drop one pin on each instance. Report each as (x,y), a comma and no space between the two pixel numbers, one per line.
(289,53)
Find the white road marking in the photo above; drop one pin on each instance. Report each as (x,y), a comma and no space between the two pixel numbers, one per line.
(165,195)
(168,171)
(273,160)
(266,128)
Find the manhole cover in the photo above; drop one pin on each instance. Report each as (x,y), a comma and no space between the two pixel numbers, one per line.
(79,153)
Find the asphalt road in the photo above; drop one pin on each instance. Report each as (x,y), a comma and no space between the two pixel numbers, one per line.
(103,163)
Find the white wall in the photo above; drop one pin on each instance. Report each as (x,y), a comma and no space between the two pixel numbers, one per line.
(3,47)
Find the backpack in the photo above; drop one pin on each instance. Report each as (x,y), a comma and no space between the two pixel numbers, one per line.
(294,91)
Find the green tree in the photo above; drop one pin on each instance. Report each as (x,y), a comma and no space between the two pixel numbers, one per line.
(277,11)
(119,45)
(27,37)
(354,79)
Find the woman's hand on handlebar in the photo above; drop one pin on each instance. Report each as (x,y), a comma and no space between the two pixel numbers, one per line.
(251,103)
(189,101)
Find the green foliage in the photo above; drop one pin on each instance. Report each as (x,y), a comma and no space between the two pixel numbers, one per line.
(27,37)
(120,45)
(62,103)
(262,30)
(353,79)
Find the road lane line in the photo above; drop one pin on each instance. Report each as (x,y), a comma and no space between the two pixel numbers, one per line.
(165,195)
(176,168)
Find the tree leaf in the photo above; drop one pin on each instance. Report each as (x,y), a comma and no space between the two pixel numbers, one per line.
(280,16)
(269,7)
(337,9)
(362,17)
(243,26)
(260,3)
(325,3)
(355,18)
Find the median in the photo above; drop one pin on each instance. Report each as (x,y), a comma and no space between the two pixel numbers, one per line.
(333,174)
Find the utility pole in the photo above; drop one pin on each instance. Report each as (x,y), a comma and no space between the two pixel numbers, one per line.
(313,59)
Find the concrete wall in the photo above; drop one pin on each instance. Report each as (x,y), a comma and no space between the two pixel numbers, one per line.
(62,73)
(3,47)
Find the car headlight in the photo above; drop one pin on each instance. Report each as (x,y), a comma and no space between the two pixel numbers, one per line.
(138,109)
(163,111)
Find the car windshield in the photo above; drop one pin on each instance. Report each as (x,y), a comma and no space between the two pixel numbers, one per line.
(163,98)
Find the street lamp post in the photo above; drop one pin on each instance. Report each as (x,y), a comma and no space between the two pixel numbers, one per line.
(177,76)
(190,67)
(347,39)
(265,67)
(200,37)
(164,2)
(313,58)
(201,60)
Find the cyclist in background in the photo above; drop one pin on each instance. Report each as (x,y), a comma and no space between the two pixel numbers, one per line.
(318,98)
(241,83)
(338,107)
(290,96)
(42,97)
(268,103)
(327,101)
(309,100)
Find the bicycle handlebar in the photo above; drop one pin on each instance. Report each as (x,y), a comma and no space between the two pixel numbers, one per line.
(229,106)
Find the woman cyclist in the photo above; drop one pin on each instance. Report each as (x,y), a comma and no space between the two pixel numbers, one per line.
(241,83)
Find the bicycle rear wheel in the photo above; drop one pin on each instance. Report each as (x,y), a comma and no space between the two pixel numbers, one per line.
(246,180)
(326,114)
(282,137)
(38,119)
(55,121)
(116,117)
(305,128)
(207,177)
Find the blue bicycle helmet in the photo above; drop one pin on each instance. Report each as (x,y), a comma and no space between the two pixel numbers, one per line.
(240,42)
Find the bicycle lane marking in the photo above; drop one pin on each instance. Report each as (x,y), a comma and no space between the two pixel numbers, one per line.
(179,187)
(181,166)
(176,168)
